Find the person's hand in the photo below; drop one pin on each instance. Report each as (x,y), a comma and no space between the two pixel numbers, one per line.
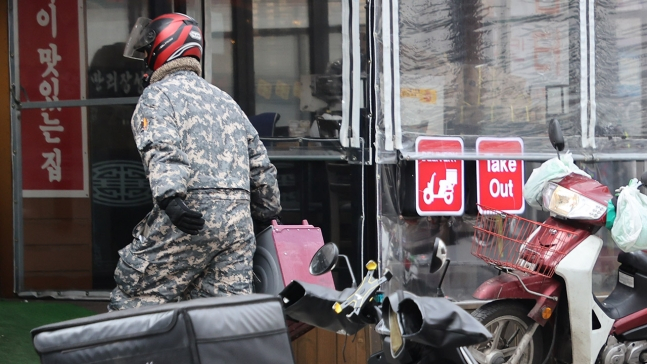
(260,225)
(187,220)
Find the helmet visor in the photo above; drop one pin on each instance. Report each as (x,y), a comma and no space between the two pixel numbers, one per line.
(138,39)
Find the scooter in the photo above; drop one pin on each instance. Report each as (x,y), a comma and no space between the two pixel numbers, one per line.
(445,188)
(545,281)
(413,329)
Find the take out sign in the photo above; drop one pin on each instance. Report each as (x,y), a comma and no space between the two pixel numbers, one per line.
(440,179)
(500,181)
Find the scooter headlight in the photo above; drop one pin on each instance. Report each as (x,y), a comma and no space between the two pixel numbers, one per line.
(570,204)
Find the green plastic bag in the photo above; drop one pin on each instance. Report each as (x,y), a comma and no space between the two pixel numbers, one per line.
(551,170)
(611,214)
(629,230)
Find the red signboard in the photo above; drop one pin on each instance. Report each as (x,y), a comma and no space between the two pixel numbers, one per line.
(439,180)
(500,181)
(54,150)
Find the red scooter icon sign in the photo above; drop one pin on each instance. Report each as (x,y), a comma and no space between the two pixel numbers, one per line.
(445,188)
(439,176)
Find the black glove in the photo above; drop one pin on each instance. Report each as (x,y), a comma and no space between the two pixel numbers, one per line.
(183,217)
(277,218)
(259,225)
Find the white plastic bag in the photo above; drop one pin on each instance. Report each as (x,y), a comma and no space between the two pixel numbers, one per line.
(629,229)
(550,170)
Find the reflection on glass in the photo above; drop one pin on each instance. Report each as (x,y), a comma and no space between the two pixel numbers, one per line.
(488,67)
(620,88)
(279,60)
(298,70)
(109,73)
(334,13)
(120,195)
(281,55)
(280,14)
(119,186)
(220,45)
(192,8)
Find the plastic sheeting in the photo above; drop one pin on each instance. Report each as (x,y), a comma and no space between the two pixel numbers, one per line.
(499,68)
(505,67)
(620,88)
(405,239)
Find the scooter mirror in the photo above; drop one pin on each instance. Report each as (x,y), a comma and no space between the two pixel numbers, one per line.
(643,178)
(324,259)
(555,135)
(439,255)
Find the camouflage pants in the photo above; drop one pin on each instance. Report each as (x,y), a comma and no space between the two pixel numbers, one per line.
(163,264)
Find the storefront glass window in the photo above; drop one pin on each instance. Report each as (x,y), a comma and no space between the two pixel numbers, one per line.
(84,188)
(281,56)
(219,45)
(119,195)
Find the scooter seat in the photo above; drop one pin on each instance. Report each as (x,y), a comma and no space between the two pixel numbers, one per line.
(635,260)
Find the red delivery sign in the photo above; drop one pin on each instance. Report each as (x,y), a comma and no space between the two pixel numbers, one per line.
(51,66)
(500,181)
(439,180)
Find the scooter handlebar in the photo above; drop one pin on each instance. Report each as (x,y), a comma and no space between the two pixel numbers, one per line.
(311,304)
(364,293)
(323,307)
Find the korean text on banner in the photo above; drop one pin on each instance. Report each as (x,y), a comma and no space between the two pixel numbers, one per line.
(54,155)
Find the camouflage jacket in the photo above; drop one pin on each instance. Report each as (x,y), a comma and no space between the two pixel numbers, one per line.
(191,135)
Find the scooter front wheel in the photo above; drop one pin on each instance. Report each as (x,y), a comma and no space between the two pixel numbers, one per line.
(508,322)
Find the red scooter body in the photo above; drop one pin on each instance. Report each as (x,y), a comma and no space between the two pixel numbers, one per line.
(553,262)
(570,232)
(539,250)
(506,286)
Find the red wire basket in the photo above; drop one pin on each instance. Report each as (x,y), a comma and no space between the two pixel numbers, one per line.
(510,241)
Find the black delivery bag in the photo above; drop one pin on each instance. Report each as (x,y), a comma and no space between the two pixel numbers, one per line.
(237,329)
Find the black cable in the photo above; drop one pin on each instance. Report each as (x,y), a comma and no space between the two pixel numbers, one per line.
(552,343)
(343,351)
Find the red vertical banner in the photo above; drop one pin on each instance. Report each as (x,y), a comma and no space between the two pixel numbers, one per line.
(50,68)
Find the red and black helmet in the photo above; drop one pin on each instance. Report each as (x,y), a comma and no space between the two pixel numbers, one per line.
(164,39)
